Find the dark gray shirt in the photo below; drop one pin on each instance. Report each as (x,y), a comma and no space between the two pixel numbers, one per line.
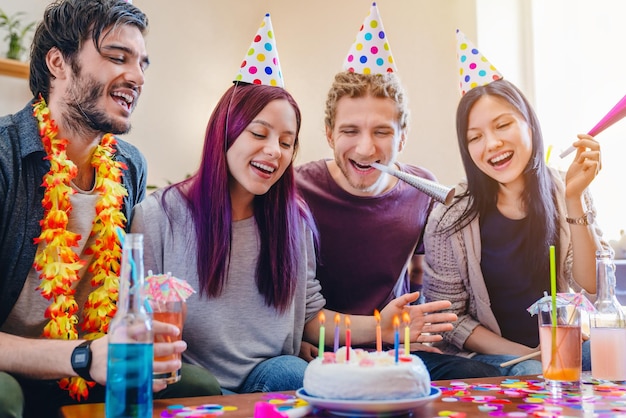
(22,167)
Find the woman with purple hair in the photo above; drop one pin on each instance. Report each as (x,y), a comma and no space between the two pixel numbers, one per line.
(237,231)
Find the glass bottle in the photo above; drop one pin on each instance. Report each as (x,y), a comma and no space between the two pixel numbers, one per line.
(608,325)
(130,356)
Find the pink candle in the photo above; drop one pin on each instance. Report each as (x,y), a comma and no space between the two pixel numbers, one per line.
(396,340)
(336,341)
(379,339)
(348,338)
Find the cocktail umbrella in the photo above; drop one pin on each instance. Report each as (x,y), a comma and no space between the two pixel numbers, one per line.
(577,300)
(167,288)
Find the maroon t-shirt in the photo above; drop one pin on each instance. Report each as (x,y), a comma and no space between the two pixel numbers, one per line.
(365,242)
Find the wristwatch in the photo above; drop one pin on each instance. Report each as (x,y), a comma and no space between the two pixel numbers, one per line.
(586,219)
(81,360)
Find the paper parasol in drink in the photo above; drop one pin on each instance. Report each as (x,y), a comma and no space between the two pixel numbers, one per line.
(435,190)
(166,288)
(577,300)
(617,113)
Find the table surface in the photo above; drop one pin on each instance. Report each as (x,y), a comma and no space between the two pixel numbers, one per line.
(499,396)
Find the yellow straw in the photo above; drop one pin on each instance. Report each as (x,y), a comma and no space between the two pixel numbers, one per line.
(548,152)
(553,283)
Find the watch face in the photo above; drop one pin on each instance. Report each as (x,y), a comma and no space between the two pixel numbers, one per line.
(80,357)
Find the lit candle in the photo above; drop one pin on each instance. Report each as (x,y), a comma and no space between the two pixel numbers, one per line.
(348,338)
(322,319)
(379,339)
(337,320)
(396,342)
(407,334)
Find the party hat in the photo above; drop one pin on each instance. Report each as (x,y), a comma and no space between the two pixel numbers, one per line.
(260,64)
(370,53)
(474,69)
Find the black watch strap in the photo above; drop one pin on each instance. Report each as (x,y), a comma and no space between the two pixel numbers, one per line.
(81,360)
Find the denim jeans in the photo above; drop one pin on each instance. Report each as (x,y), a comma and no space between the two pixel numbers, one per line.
(446,367)
(275,374)
(523,368)
(529,367)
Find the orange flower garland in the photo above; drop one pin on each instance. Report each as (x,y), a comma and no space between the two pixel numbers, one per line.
(57,263)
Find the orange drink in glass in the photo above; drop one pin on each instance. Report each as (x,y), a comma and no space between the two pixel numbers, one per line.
(170,312)
(560,339)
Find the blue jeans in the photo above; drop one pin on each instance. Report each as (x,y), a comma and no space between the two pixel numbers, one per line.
(446,367)
(529,366)
(274,375)
(520,369)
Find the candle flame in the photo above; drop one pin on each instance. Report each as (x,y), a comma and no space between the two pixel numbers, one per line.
(337,319)
(322,318)
(406,318)
(347,321)
(377,316)
(396,321)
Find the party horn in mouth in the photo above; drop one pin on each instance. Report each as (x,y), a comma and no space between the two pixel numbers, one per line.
(435,190)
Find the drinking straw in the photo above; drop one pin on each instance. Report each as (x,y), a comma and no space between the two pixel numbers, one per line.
(548,152)
(553,291)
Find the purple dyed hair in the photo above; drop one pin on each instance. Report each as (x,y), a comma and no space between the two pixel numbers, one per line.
(278,213)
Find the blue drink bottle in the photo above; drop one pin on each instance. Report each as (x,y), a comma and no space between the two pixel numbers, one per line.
(130,356)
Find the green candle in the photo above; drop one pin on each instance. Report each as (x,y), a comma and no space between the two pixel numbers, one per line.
(322,319)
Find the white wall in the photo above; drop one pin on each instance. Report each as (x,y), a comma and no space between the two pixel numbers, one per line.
(196,47)
(568,58)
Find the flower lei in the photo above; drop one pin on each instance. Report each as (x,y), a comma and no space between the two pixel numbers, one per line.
(57,263)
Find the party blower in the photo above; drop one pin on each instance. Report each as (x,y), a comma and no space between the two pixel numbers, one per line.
(435,190)
(615,114)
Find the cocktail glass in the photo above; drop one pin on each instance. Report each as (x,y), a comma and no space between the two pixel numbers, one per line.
(561,346)
(167,295)
(170,312)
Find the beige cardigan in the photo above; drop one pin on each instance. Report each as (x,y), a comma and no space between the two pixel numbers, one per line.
(452,268)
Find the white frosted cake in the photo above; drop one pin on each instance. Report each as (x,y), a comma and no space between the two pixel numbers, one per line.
(367,376)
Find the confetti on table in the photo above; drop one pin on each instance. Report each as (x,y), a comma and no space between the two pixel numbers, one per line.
(604,400)
(203,411)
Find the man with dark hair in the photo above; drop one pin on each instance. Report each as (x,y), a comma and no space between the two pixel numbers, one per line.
(67,184)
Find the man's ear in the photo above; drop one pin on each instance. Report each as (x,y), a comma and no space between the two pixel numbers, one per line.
(402,140)
(57,65)
(329,137)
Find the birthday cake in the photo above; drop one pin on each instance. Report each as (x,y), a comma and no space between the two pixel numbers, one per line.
(366,376)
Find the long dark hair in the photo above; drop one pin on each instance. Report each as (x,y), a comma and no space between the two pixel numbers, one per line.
(539,196)
(67,24)
(278,213)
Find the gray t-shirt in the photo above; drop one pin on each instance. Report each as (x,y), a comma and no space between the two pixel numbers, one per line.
(231,334)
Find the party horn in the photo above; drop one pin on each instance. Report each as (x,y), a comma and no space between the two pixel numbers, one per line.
(435,190)
(614,115)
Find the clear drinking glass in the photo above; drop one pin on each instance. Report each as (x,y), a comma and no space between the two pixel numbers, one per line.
(170,312)
(561,346)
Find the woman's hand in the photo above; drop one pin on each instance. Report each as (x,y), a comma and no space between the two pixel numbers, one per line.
(585,167)
(425,318)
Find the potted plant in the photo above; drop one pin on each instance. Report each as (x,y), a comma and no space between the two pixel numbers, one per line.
(17,33)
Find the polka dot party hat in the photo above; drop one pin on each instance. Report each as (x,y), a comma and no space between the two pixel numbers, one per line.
(370,53)
(260,65)
(474,69)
